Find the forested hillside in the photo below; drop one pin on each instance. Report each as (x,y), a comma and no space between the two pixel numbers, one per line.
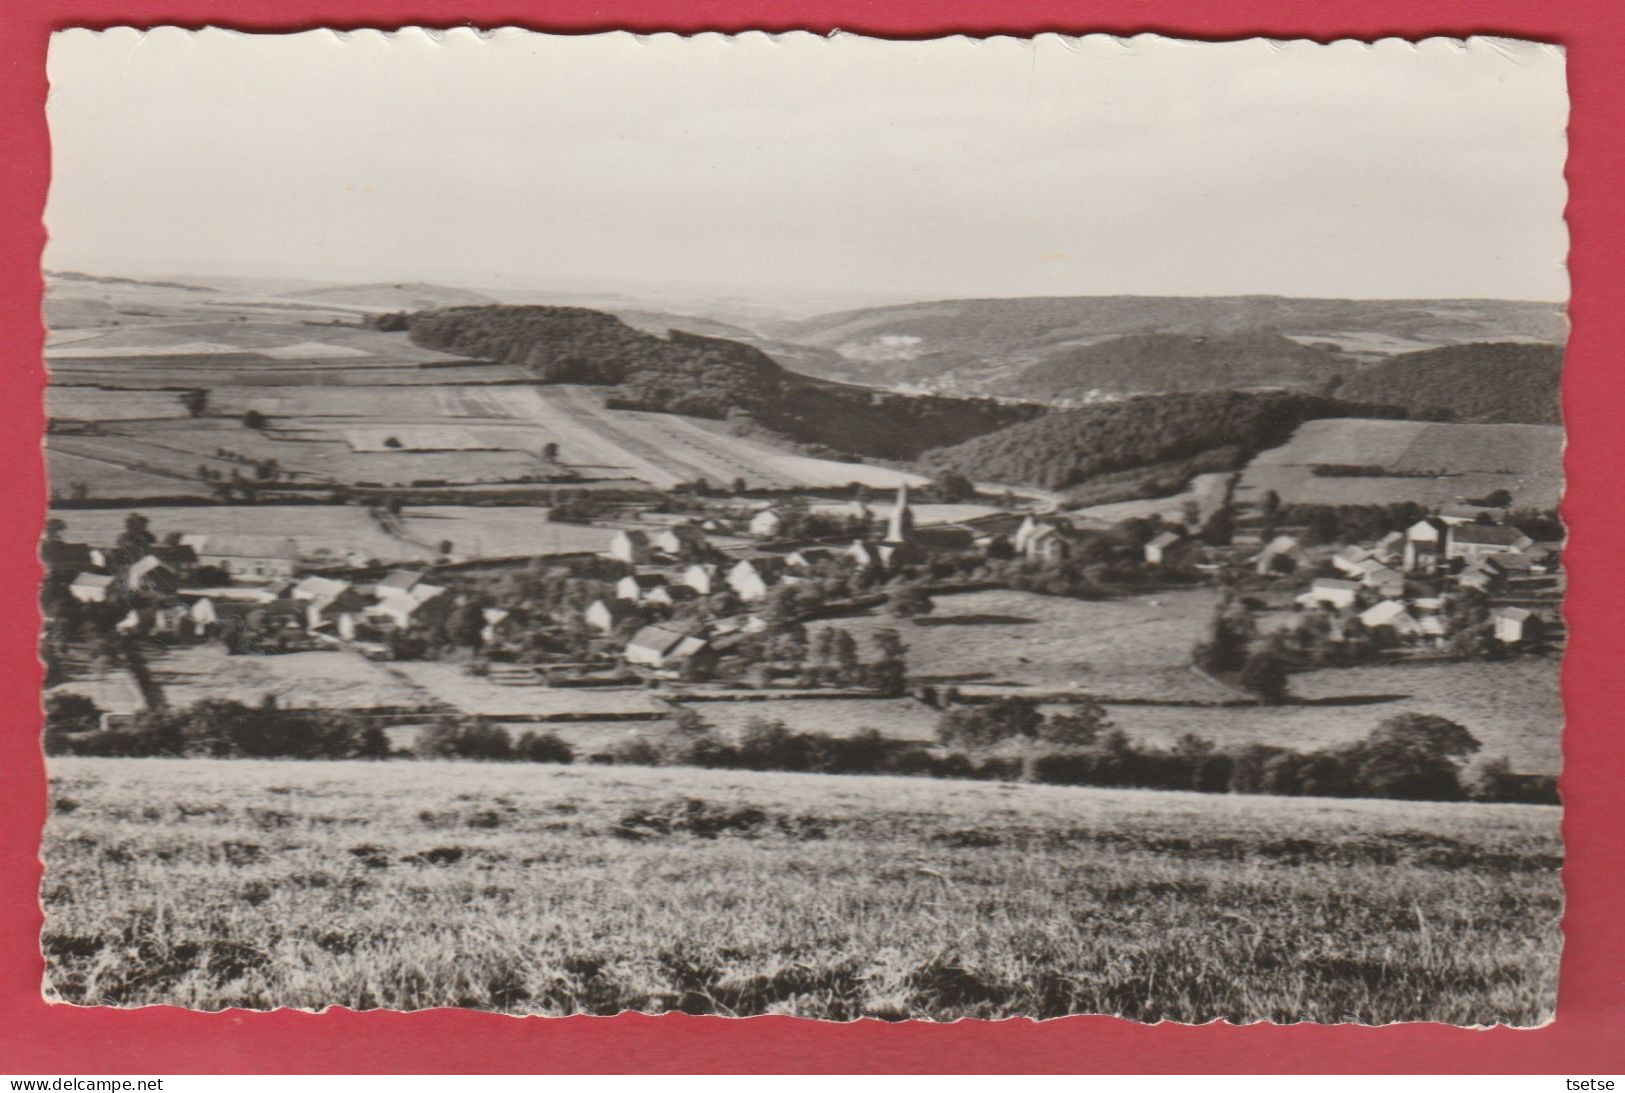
(1149,363)
(980,345)
(707,377)
(1065,448)
(1483,381)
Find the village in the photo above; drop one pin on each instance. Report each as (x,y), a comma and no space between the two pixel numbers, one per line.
(735,600)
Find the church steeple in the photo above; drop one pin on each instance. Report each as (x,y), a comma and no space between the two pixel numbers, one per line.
(900,527)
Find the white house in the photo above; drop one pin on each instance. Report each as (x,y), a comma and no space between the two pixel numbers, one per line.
(1351,560)
(605,615)
(702,577)
(1425,545)
(1159,549)
(91,587)
(680,539)
(1392,614)
(767,524)
(1511,623)
(1330,592)
(1281,554)
(636,587)
(631,546)
(246,557)
(752,578)
(660,646)
(1471,541)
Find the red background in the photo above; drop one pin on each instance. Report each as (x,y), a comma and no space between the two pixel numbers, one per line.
(1588,1032)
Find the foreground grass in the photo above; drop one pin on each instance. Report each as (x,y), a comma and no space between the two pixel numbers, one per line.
(559,890)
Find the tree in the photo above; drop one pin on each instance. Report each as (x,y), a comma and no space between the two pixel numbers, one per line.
(253,419)
(54,527)
(196,400)
(1079,727)
(990,723)
(136,539)
(739,484)
(1220,526)
(445,547)
(550,451)
(953,487)
(465,625)
(889,673)
(1415,757)
(909,601)
(1264,674)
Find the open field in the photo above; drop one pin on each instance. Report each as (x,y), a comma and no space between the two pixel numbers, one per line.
(901,718)
(1468,461)
(1514,709)
(534,889)
(331,529)
(1137,647)
(501,530)
(102,477)
(448,683)
(334,680)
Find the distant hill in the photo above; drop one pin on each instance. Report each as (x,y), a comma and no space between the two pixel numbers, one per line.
(1143,363)
(980,345)
(407,296)
(1068,447)
(123,282)
(1481,381)
(807,359)
(686,373)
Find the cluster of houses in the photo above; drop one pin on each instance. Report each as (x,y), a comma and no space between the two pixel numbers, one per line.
(1403,580)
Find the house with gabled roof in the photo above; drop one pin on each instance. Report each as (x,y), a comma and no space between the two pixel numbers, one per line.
(636,587)
(1512,624)
(246,557)
(1470,541)
(681,540)
(1392,614)
(753,578)
(662,645)
(1160,548)
(1330,592)
(605,615)
(631,546)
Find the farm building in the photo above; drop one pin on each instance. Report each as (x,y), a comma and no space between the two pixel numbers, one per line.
(91,587)
(1330,592)
(662,646)
(631,546)
(423,605)
(1282,554)
(810,557)
(1392,614)
(398,580)
(170,620)
(315,589)
(246,557)
(152,575)
(1470,541)
(1351,560)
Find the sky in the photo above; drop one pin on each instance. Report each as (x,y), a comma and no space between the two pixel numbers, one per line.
(954,167)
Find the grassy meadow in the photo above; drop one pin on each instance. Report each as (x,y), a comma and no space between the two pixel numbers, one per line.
(554,890)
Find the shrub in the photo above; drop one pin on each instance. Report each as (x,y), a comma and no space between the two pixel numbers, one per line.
(543,747)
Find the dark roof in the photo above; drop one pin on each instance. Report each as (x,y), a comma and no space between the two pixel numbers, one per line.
(1487,534)
(58,553)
